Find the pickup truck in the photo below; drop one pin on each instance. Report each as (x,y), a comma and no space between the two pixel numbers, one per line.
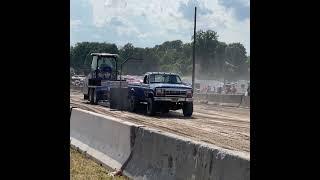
(161,92)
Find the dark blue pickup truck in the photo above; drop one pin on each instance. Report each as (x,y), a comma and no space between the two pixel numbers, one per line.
(161,92)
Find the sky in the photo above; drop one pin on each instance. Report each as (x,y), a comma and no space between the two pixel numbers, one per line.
(146,23)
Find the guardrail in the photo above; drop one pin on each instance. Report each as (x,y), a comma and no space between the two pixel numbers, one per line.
(239,99)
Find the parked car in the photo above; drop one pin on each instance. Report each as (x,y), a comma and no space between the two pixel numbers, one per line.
(78,77)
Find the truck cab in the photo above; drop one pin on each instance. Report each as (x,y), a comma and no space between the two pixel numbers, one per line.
(161,92)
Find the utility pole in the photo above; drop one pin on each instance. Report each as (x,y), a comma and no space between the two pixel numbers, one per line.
(194,48)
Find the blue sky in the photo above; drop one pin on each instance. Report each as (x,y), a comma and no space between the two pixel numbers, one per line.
(146,23)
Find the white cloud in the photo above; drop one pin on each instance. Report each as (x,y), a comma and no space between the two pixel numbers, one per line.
(245,2)
(237,32)
(75,23)
(162,20)
(223,21)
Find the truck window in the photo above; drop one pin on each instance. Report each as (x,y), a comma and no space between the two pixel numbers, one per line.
(94,63)
(165,78)
(106,62)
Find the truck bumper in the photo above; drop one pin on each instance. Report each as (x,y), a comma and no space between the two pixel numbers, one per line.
(173,99)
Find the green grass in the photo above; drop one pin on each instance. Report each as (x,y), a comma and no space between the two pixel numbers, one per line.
(83,168)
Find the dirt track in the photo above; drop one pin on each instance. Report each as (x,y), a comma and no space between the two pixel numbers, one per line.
(226,127)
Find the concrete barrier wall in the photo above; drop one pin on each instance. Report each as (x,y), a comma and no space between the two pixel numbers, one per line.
(160,155)
(148,154)
(101,137)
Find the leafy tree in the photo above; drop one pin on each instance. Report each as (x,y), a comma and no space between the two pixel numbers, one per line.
(173,56)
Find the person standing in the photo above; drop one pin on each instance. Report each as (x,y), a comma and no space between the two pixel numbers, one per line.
(233,90)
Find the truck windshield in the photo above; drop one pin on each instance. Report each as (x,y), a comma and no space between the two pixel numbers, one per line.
(164,78)
(106,62)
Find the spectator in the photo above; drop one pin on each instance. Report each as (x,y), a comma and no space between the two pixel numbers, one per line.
(227,89)
(219,90)
(233,90)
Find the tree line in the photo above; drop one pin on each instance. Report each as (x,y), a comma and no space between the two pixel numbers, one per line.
(214,59)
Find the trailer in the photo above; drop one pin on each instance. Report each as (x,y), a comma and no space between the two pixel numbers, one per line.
(102,78)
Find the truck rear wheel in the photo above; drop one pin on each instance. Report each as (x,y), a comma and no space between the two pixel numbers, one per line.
(93,96)
(132,104)
(151,107)
(187,109)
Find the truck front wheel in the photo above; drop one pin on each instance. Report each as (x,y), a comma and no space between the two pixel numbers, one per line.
(187,109)
(151,107)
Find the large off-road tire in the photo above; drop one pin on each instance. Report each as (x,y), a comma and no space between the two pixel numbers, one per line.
(85,96)
(95,97)
(91,96)
(132,104)
(187,109)
(151,107)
